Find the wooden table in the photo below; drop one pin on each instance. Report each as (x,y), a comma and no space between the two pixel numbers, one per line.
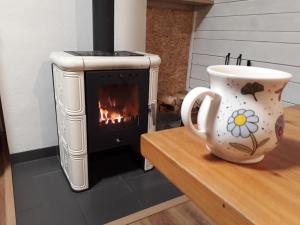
(263,193)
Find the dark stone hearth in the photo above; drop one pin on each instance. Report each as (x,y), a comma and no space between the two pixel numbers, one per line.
(121,187)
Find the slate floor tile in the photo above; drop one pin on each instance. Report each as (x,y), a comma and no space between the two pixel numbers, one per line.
(133,173)
(43,195)
(36,167)
(107,202)
(27,217)
(58,201)
(152,188)
(26,188)
(26,193)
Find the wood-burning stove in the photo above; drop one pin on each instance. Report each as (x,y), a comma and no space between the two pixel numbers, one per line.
(116,108)
(103,100)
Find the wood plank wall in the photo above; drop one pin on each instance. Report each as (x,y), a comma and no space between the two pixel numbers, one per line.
(265,31)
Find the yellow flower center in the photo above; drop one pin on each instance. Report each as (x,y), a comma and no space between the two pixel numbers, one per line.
(240,120)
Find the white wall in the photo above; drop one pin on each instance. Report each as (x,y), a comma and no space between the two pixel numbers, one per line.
(130,25)
(264,31)
(29,31)
(84,24)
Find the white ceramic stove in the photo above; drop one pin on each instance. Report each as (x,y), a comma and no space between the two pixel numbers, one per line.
(68,74)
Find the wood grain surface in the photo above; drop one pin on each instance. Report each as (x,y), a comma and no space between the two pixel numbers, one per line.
(177,211)
(184,214)
(2,194)
(140,215)
(264,193)
(7,205)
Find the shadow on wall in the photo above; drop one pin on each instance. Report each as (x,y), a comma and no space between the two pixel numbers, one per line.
(43,91)
(200,16)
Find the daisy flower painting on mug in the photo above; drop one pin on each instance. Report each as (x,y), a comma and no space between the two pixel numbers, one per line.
(243,123)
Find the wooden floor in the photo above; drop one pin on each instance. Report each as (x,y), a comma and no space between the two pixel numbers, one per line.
(7,207)
(2,202)
(183,214)
(178,211)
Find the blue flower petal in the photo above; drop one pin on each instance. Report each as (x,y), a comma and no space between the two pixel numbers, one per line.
(241,111)
(252,119)
(230,120)
(244,131)
(249,113)
(252,127)
(230,126)
(236,131)
(234,114)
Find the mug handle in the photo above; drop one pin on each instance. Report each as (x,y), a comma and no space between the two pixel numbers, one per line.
(205,113)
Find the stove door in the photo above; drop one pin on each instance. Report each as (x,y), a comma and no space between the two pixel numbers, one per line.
(117,108)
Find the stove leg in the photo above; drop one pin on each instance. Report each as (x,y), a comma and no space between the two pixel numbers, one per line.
(147,165)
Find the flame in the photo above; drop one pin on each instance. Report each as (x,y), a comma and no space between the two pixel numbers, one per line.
(106,116)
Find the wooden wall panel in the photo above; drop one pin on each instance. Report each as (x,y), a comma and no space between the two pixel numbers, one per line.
(267,32)
(198,83)
(258,36)
(169,35)
(251,7)
(279,53)
(263,22)
(201,62)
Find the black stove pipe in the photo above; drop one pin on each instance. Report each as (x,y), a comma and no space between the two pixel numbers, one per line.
(103,25)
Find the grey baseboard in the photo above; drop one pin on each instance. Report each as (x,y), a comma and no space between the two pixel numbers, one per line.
(33,154)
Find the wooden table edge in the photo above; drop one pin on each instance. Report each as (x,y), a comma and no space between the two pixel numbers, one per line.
(201,195)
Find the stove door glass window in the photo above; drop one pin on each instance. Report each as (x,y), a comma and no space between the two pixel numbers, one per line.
(116,108)
(118,105)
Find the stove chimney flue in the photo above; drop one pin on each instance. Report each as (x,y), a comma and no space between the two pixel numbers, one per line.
(103,25)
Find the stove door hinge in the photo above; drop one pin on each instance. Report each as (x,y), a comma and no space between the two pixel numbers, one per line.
(152,110)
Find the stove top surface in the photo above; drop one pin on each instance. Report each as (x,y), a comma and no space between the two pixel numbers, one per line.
(102,53)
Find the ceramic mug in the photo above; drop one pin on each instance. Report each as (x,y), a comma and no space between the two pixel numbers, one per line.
(241,115)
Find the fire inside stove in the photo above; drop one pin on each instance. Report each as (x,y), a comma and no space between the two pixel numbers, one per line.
(118,104)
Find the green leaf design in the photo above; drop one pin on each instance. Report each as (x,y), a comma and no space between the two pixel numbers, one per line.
(241,147)
(263,142)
